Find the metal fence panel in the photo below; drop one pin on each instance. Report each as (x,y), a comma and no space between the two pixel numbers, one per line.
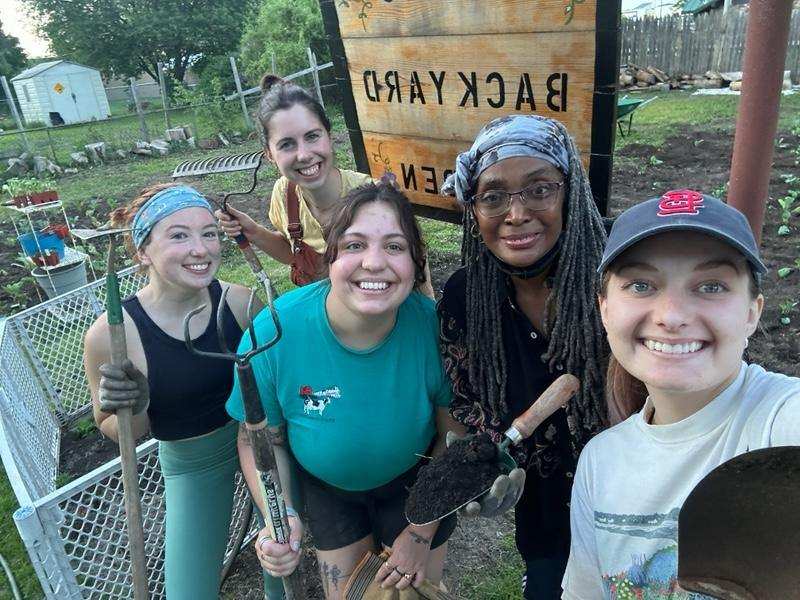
(76,535)
(31,430)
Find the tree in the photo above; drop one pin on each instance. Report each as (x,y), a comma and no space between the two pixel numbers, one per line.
(12,59)
(285,28)
(130,37)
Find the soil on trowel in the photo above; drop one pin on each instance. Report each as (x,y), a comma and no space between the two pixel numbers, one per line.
(463,471)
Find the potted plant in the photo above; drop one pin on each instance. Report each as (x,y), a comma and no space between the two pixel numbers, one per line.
(27,191)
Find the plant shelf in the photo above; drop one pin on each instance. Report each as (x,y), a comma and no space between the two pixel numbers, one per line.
(71,256)
(26,210)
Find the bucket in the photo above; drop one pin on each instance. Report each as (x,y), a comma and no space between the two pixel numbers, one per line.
(64,279)
(47,241)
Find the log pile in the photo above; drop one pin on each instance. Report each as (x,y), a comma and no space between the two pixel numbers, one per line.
(653,79)
(636,77)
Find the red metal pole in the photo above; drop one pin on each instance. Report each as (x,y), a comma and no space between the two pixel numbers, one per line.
(757,122)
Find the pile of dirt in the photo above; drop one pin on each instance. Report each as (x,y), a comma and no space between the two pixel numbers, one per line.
(466,469)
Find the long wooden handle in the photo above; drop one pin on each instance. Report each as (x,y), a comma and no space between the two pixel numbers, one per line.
(268,475)
(127,443)
(554,397)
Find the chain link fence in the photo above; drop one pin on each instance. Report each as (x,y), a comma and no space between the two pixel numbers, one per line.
(143,111)
(76,534)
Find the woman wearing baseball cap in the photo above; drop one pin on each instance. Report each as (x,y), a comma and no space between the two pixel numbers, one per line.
(680,296)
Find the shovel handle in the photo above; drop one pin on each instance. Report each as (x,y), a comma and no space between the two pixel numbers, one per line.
(553,398)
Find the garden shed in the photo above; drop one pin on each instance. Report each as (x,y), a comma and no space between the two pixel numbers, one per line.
(60,92)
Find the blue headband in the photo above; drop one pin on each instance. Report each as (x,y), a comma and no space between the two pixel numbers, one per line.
(505,137)
(162,205)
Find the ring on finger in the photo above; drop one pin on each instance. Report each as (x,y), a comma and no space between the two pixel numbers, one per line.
(408,576)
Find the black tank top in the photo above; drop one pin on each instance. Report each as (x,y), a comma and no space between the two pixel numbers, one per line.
(187,392)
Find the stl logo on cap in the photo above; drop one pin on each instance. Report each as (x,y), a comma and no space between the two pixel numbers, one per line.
(680,202)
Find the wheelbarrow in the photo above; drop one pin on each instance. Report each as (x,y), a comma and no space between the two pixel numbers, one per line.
(626,107)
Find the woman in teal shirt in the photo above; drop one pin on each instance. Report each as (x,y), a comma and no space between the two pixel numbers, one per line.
(356,390)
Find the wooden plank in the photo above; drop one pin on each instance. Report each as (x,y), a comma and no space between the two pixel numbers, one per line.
(420,165)
(383,18)
(449,87)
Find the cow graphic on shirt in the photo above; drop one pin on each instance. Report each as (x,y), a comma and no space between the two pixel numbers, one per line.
(319,400)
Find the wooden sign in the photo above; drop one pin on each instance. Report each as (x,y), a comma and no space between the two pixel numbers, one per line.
(420,78)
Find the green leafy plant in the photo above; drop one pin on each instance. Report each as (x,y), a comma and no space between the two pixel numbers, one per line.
(84,428)
(655,161)
(23,186)
(721,191)
(210,106)
(63,479)
(17,290)
(786,307)
(788,208)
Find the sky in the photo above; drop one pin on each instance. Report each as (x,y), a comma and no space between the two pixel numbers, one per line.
(16,22)
(651,6)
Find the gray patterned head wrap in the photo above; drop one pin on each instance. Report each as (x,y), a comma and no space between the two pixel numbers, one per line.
(166,202)
(504,137)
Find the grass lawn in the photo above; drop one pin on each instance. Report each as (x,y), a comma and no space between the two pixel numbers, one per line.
(119,132)
(670,112)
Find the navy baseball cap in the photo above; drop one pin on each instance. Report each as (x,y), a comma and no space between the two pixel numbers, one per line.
(682,210)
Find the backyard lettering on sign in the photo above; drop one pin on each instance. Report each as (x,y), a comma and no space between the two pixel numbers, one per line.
(419,79)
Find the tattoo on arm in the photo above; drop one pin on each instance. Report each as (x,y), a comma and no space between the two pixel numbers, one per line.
(325,584)
(336,575)
(418,538)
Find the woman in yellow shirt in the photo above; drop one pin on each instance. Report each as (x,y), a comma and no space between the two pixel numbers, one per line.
(297,132)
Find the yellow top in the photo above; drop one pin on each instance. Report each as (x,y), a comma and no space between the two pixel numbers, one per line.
(312,230)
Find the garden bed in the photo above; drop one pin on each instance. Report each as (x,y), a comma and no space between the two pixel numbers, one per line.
(698,158)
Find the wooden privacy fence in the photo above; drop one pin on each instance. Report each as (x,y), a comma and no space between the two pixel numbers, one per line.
(685,44)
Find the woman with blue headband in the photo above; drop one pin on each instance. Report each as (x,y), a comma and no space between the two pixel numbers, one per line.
(176,395)
(522,311)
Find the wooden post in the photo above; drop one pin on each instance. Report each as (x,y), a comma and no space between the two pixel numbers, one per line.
(238,81)
(139,111)
(52,149)
(312,61)
(164,100)
(757,120)
(13,105)
(127,443)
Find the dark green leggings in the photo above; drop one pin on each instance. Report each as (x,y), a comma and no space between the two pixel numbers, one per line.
(199,482)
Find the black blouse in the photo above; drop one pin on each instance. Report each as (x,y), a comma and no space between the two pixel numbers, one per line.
(542,514)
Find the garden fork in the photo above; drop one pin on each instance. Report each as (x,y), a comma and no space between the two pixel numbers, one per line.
(255,422)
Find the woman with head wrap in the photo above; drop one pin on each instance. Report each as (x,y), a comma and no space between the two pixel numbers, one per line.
(522,311)
(178,396)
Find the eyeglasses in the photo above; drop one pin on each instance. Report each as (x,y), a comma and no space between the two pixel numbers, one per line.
(540,196)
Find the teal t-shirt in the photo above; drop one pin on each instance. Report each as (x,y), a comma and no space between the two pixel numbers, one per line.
(355,419)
